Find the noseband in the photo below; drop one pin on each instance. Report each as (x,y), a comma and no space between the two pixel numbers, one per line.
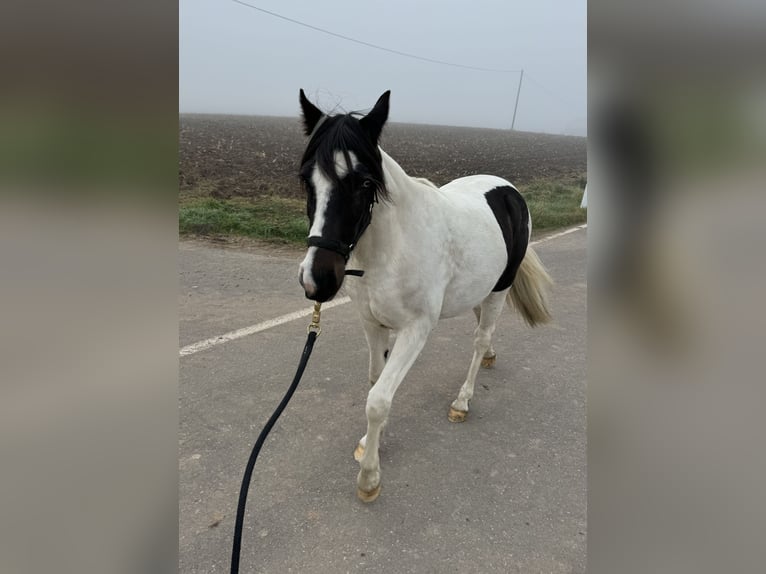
(331,245)
(340,247)
(335,245)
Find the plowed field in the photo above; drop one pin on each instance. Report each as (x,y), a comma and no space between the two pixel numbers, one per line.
(251,156)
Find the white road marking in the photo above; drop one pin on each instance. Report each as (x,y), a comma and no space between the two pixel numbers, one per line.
(252,329)
(560,234)
(263,326)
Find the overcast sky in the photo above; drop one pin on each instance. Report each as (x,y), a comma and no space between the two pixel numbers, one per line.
(236,60)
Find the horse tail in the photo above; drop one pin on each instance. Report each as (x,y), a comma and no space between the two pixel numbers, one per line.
(529,291)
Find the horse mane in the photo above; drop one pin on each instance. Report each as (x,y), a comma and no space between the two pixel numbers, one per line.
(428,182)
(344,133)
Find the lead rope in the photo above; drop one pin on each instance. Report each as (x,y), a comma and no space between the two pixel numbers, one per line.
(313,332)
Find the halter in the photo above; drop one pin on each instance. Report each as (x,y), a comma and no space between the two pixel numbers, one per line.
(316,127)
(341,247)
(335,245)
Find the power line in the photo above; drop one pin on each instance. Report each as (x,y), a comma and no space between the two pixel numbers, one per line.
(550,93)
(369,45)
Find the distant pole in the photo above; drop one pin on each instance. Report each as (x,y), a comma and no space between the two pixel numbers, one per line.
(518,92)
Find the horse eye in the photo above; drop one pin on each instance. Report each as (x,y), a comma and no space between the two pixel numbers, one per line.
(367,183)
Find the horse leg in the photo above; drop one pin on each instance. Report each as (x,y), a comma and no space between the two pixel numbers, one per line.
(491,308)
(409,343)
(488,360)
(377,341)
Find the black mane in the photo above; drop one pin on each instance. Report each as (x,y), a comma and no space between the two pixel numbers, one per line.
(346,134)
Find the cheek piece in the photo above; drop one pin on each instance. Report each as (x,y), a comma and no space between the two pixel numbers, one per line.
(340,247)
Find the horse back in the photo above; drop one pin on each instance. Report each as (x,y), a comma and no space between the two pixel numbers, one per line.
(510,212)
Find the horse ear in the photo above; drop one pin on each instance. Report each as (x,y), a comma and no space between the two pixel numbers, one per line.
(311,114)
(373,122)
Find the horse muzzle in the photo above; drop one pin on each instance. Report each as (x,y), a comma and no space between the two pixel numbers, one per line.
(321,276)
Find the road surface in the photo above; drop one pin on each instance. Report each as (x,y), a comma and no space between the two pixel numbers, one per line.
(504,491)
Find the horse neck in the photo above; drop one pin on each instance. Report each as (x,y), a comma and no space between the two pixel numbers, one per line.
(395,221)
(398,182)
(409,195)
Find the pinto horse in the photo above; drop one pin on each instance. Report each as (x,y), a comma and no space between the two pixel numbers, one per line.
(421,252)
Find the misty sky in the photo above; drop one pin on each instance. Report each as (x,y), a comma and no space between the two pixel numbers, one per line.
(236,60)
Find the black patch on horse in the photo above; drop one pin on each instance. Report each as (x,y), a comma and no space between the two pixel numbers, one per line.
(510,211)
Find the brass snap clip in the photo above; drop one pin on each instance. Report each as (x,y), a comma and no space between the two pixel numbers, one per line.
(314,325)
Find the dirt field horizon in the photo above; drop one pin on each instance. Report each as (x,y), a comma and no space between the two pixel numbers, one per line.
(226,156)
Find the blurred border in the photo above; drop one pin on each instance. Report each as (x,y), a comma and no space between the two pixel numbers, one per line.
(677,135)
(88,180)
(88,249)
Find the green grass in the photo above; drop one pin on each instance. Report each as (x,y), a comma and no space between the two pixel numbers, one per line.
(274,219)
(282,220)
(554,205)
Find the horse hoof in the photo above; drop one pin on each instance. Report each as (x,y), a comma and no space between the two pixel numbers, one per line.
(488,362)
(456,416)
(368,496)
(358,452)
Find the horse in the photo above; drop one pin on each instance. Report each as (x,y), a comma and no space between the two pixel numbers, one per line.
(419,253)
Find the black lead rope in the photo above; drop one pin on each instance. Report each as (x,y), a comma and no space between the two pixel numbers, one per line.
(314,331)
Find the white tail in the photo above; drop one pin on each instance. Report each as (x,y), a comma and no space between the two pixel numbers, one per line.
(529,292)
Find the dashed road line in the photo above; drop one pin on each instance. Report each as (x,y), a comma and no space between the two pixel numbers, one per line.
(281,320)
(252,329)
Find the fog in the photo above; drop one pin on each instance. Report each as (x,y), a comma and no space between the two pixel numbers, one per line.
(234,59)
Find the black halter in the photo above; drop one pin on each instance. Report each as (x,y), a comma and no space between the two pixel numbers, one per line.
(330,244)
(340,247)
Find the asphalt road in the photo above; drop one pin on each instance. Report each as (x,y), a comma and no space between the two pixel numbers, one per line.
(504,491)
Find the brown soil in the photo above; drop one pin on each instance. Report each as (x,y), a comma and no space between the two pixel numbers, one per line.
(250,156)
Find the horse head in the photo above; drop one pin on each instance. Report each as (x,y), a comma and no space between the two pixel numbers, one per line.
(342,176)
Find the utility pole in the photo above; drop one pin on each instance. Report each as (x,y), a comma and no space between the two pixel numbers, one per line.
(518,92)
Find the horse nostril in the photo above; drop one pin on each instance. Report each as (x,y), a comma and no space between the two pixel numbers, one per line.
(308,284)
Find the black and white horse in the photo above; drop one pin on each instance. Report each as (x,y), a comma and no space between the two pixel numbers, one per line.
(426,252)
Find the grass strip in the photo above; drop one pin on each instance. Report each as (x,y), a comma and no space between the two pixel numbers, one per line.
(276,219)
(273,219)
(553,205)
